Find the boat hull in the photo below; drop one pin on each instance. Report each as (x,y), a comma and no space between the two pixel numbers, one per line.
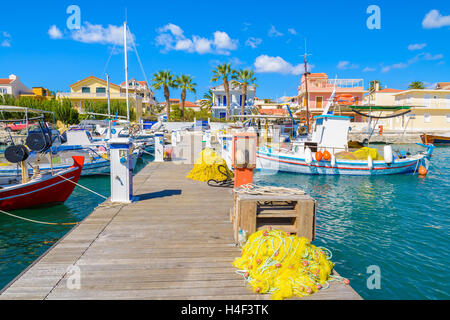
(285,163)
(435,140)
(48,189)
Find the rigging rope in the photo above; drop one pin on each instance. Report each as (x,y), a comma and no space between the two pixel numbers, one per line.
(79,185)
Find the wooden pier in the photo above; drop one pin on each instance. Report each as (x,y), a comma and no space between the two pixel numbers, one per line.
(176,242)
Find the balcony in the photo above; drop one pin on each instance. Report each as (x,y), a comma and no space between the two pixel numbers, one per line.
(328,85)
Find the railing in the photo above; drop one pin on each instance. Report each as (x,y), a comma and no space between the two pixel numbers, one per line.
(331,83)
(86,95)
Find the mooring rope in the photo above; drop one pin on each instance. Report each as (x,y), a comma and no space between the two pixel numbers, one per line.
(267,190)
(79,185)
(40,222)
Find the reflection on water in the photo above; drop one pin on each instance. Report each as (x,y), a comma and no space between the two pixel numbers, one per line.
(21,242)
(399,223)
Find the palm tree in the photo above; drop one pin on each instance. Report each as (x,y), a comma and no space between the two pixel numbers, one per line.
(243,78)
(184,82)
(164,79)
(224,71)
(207,100)
(416,85)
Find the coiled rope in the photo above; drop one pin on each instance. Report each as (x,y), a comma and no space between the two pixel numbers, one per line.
(267,190)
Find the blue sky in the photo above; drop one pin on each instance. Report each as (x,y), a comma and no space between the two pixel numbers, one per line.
(192,37)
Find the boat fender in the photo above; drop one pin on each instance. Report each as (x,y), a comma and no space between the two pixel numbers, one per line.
(370,162)
(422,171)
(308,155)
(388,155)
(333,160)
(318,156)
(326,155)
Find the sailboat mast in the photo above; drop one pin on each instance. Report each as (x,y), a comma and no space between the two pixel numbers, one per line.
(126,67)
(109,107)
(306,93)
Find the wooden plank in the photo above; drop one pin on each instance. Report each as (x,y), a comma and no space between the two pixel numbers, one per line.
(175,243)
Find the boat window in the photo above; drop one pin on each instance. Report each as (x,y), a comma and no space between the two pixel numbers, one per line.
(89,135)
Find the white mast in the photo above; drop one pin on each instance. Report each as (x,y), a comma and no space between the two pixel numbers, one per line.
(126,67)
(109,108)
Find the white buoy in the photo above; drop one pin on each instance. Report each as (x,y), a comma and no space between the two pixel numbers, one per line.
(308,156)
(387,153)
(370,162)
(333,160)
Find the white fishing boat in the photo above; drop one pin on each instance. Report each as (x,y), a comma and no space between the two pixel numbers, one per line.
(327,152)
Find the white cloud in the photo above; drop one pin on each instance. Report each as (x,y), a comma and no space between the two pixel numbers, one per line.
(267,64)
(417,46)
(434,19)
(420,57)
(54,32)
(96,33)
(273,32)
(253,42)
(5,39)
(292,31)
(171,37)
(344,65)
(222,41)
(368,69)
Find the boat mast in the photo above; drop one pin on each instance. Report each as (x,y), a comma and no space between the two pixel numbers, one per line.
(126,67)
(109,107)
(306,92)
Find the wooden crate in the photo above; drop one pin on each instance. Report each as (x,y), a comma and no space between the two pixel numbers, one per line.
(290,213)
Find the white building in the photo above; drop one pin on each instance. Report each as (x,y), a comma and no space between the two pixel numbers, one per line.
(219,108)
(140,88)
(13,86)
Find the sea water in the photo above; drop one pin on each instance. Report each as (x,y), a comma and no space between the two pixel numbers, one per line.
(397,225)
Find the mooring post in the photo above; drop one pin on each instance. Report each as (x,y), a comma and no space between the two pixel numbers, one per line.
(159,147)
(121,162)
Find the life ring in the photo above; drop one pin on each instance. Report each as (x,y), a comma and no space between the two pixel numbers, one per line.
(303,120)
(345,99)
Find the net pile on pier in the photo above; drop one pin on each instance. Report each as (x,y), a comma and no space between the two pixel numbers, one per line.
(285,265)
(206,167)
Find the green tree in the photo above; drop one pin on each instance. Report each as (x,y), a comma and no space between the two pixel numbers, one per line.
(416,85)
(223,72)
(244,78)
(164,79)
(207,101)
(185,83)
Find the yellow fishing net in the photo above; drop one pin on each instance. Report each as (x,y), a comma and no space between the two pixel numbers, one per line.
(206,167)
(360,154)
(285,265)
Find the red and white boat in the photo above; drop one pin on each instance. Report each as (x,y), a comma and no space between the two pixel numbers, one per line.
(46,188)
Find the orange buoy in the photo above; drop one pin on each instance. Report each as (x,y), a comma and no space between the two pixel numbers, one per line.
(326,155)
(303,120)
(422,171)
(318,156)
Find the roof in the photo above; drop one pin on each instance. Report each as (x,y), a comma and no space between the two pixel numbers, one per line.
(94,77)
(317,75)
(388,90)
(443,85)
(6,81)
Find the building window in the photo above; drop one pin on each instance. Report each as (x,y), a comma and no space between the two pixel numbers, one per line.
(100,90)
(408,99)
(447,98)
(85,90)
(427,118)
(224,100)
(427,100)
(447,118)
(218,100)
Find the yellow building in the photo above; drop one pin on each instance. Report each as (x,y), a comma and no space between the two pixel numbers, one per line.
(430,111)
(95,89)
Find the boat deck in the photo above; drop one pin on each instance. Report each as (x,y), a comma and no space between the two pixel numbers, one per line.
(176,242)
